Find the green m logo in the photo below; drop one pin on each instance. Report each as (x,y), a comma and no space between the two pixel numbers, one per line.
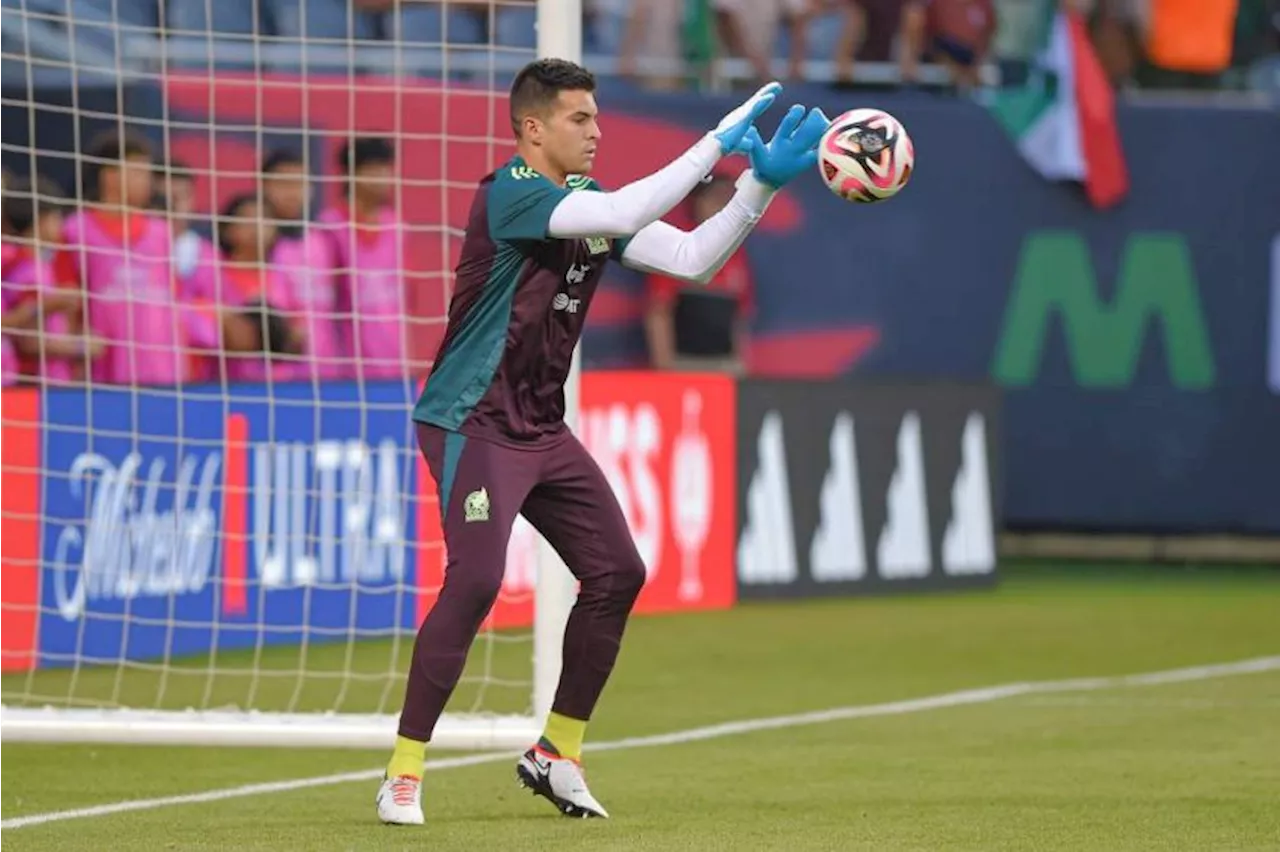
(1104,341)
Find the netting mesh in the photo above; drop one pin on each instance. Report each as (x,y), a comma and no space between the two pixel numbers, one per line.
(229,230)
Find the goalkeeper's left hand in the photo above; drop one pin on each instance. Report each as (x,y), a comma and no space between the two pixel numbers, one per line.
(732,130)
(792,150)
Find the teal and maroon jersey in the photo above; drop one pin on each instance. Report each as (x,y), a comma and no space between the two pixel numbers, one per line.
(519,302)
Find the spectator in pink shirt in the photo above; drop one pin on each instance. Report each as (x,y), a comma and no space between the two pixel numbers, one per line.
(51,347)
(305,257)
(191,249)
(120,254)
(14,320)
(193,253)
(18,320)
(367,238)
(241,282)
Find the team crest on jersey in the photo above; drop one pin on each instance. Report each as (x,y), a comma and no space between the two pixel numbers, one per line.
(523,172)
(476,506)
(597,245)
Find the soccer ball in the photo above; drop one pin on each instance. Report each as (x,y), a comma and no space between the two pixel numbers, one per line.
(866,156)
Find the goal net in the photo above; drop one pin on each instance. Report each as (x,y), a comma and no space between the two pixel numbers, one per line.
(216,524)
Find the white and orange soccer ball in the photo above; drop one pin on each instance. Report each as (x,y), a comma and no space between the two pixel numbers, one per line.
(866,156)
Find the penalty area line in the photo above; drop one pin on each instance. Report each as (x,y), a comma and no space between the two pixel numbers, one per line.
(961,698)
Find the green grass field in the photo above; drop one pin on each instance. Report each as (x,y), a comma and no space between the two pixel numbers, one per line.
(1191,765)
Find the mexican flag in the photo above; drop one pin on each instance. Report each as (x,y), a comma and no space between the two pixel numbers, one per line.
(1063,119)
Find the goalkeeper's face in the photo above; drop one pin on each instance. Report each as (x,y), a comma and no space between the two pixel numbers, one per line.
(570,132)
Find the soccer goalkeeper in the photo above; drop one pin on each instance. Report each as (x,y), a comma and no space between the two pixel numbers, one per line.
(491,418)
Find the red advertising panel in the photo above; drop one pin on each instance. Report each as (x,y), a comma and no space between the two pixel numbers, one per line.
(666,443)
(20,530)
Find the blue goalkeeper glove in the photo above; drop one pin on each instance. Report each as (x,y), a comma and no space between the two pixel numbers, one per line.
(733,128)
(793,148)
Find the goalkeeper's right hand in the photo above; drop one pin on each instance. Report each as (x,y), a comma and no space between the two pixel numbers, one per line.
(733,128)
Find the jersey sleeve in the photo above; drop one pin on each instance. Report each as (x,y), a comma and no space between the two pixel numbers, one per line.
(520,204)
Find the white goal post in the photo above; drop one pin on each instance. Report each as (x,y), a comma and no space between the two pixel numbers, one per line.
(94,697)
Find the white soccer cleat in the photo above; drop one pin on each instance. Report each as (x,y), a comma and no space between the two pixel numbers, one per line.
(400,800)
(560,781)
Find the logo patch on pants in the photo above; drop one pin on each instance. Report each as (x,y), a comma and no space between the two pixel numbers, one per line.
(476,506)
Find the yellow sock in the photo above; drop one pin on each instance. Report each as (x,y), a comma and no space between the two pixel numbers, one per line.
(407,759)
(565,735)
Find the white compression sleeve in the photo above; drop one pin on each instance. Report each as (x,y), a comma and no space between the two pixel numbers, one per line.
(626,210)
(697,255)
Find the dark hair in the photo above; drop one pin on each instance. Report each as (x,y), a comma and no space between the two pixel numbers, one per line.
(109,148)
(231,211)
(539,83)
(24,204)
(118,144)
(281,157)
(365,151)
(172,170)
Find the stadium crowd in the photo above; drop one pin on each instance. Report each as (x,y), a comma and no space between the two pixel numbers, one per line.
(120,288)
(1143,43)
(1149,44)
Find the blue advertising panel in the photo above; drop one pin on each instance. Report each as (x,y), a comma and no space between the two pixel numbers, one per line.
(178,523)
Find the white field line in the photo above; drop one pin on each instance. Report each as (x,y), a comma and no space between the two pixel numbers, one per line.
(967,697)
